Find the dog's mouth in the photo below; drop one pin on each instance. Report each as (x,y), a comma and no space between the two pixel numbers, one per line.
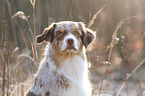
(70,49)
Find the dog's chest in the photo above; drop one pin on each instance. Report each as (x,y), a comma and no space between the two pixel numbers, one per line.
(73,68)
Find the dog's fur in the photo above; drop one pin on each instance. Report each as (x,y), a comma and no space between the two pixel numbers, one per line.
(64,71)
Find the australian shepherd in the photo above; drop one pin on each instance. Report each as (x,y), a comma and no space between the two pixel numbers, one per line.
(64,69)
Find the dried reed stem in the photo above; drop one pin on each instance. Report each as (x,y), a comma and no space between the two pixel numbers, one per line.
(122,22)
(5,62)
(34,21)
(72,3)
(22,35)
(110,48)
(35,47)
(109,59)
(12,23)
(129,75)
(95,16)
(34,50)
(5,48)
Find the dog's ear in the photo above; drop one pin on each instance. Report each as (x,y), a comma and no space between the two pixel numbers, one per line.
(47,35)
(88,35)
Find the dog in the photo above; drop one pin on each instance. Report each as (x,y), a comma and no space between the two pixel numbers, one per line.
(64,69)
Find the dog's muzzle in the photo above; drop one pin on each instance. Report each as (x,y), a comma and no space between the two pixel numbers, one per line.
(70,43)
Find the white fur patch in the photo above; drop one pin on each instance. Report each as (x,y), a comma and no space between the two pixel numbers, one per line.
(74,70)
(76,44)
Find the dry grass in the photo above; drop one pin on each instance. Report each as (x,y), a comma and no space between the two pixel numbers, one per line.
(117,57)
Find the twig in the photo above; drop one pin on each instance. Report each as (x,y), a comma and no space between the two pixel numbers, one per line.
(108,64)
(22,15)
(18,87)
(22,34)
(114,42)
(5,48)
(3,79)
(8,73)
(143,36)
(12,23)
(33,2)
(34,21)
(33,45)
(5,62)
(90,14)
(95,16)
(72,3)
(122,22)
(19,62)
(33,53)
(129,75)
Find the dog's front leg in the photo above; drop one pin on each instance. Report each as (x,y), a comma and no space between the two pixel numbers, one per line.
(38,89)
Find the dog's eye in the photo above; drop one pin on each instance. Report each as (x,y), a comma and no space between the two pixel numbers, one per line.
(77,33)
(59,34)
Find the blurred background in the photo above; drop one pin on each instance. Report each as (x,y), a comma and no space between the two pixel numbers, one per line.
(108,68)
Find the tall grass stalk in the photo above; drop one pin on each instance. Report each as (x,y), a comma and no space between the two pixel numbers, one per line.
(5,48)
(33,2)
(12,23)
(110,48)
(22,15)
(95,16)
(32,52)
(129,75)
(4,39)
(34,19)
(33,45)
(72,3)
(5,58)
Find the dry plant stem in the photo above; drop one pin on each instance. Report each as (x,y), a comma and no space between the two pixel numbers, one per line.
(22,55)
(69,17)
(34,19)
(143,36)
(33,53)
(5,48)
(111,49)
(3,80)
(122,22)
(109,59)
(100,88)
(129,75)
(8,75)
(22,35)
(16,87)
(30,29)
(90,14)
(33,44)
(12,23)
(5,62)
(47,6)
(95,16)
(34,57)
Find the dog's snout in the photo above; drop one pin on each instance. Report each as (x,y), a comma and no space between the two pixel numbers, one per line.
(70,41)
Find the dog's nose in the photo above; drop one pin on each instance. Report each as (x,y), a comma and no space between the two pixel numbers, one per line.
(70,41)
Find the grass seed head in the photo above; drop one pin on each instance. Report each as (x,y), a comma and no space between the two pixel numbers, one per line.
(21,15)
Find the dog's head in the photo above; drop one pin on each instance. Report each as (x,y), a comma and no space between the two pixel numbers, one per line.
(67,36)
